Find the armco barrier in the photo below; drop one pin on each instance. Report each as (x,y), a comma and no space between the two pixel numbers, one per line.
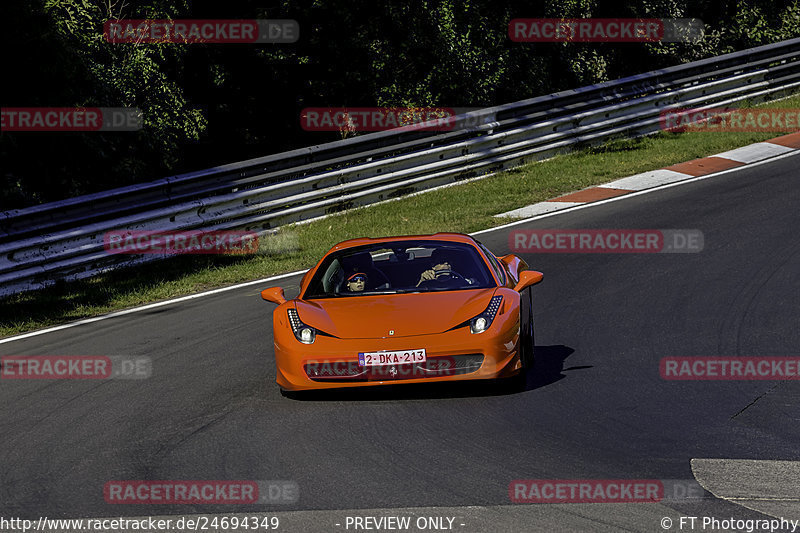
(64,240)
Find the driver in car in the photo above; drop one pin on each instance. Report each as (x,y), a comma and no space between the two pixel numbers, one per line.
(439,270)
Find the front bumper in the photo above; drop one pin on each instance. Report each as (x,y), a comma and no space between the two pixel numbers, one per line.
(451,356)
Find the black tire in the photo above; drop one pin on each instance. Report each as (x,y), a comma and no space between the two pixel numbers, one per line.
(528,344)
(519,382)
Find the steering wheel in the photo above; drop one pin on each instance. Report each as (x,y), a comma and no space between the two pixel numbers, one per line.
(444,278)
(447,272)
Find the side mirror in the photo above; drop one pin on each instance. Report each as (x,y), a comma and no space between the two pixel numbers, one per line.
(274,294)
(527,279)
(507,259)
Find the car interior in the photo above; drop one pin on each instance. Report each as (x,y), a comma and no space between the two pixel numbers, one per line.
(400,268)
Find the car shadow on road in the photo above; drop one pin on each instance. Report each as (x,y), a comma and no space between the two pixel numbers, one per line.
(548,366)
(547,369)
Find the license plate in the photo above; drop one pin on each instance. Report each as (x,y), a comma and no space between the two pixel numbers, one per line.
(400,357)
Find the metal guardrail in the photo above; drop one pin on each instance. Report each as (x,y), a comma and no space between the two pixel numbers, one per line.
(64,240)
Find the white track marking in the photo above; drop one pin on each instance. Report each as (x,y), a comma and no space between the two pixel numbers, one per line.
(631,195)
(755,152)
(538,209)
(148,306)
(648,180)
(290,274)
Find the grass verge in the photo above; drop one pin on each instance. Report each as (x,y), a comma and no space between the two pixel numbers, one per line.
(464,208)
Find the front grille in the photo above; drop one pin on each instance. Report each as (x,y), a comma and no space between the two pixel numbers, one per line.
(438,366)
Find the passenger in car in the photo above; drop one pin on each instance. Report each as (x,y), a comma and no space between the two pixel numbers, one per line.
(362,263)
(356,282)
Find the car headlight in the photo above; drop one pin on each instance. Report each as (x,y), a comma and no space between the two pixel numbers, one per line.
(302,332)
(481,323)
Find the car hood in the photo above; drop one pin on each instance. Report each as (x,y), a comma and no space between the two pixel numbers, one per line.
(362,317)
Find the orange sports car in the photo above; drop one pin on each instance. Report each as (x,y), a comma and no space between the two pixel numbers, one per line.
(410,309)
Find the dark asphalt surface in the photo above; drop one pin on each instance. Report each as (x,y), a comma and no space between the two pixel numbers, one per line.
(595,408)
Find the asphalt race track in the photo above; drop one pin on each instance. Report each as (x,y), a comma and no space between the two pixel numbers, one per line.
(596,406)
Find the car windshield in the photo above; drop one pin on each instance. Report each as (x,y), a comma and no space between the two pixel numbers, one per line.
(400,267)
